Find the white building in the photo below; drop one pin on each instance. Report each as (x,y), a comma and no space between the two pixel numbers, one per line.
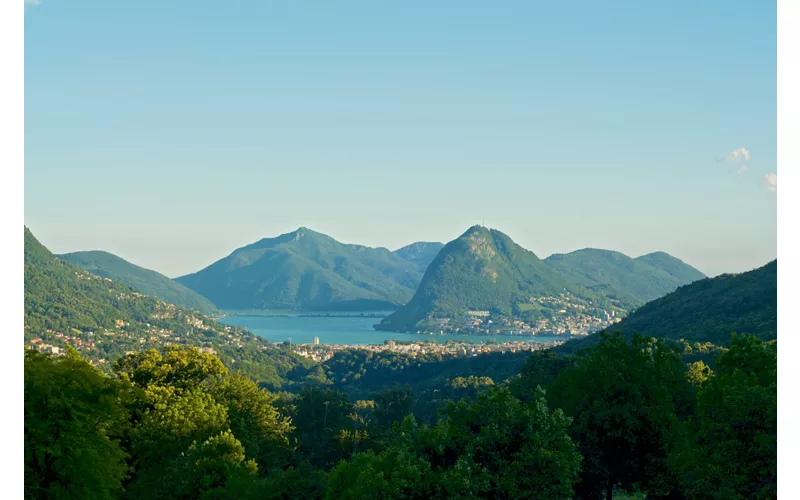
(51,349)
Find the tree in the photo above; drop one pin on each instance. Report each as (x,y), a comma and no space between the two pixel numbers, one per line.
(301,482)
(623,398)
(204,471)
(74,416)
(698,373)
(730,448)
(176,409)
(539,370)
(254,420)
(524,449)
(496,447)
(172,420)
(393,405)
(393,474)
(177,366)
(320,417)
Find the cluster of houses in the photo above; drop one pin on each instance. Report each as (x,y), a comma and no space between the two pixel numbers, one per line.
(564,314)
(94,345)
(322,353)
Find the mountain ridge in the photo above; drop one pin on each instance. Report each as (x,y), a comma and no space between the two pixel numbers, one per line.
(636,280)
(149,282)
(420,253)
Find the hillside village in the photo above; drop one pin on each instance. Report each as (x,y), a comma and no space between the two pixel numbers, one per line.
(563,315)
(103,346)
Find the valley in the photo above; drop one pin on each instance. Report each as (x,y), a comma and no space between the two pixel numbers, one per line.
(489,326)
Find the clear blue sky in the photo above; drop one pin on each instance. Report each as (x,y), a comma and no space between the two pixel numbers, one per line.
(170,133)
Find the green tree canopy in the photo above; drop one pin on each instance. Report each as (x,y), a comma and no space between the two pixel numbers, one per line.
(320,417)
(205,470)
(177,366)
(730,448)
(254,420)
(393,405)
(74,416)
(496,447)
(624,398)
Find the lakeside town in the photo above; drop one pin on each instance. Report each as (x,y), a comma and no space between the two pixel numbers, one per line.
(562,315)
(452,348)
(103,347)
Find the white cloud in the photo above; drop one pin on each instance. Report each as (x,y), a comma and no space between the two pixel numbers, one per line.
(771,182)
(738,154)
(742,169)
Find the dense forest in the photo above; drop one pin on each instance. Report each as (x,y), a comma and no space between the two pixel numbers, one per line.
(623,417)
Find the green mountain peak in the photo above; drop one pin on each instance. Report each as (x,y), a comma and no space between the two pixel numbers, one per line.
(306,270)
(484,269)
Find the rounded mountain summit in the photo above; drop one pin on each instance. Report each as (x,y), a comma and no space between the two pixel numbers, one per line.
(486,270)
(307,270)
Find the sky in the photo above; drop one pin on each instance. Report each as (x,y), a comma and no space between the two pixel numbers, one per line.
(171,133)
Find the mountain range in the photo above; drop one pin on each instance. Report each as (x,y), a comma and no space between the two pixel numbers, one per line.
(142,280)
(485,270)
(482,269)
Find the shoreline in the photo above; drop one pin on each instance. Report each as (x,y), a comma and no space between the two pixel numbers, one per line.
(359,330)
(289,314)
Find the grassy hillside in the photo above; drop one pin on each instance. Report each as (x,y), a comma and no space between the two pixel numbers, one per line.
(142,280)
(708,310)
(306,270)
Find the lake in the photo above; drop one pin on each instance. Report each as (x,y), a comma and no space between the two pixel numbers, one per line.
(349,330)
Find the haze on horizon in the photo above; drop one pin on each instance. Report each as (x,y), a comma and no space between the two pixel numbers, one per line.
(172,133)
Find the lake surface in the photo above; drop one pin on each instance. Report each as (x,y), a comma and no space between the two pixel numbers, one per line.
(344,330)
